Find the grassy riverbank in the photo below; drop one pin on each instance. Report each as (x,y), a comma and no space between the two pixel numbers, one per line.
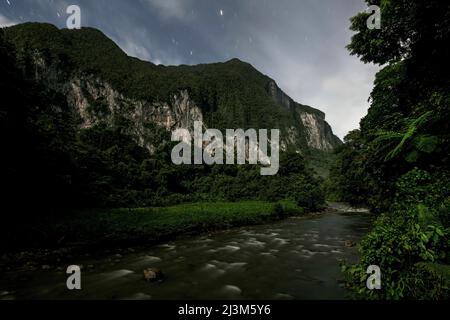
(115,227)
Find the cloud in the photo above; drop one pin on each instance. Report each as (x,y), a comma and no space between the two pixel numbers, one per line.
(298,43)
(170,8)
(348,91)
(135,45)
(5,22)
(134,50)
(340,87)
(308,59)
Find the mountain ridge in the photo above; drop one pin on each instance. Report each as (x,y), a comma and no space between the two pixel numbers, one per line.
(101,81)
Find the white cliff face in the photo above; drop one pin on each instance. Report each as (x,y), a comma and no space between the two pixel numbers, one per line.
(86,94)
(96,101)
(309,127)
(315,132)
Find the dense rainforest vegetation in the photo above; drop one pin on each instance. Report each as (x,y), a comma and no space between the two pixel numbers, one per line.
(50,162)
(398,161)
(230,95)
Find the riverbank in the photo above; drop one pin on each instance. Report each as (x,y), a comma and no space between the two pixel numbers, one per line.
(295,258)
(55,237)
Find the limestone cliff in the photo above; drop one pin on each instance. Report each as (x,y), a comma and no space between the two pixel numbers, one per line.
(310,122)
(101,84)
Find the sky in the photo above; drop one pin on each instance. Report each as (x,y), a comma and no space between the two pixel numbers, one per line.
(298,43)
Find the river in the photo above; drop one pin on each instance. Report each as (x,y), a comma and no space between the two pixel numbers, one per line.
(297,258)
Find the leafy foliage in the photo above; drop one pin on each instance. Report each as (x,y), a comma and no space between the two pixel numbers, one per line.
(55,163)
(403,155)
(348,181)
(109,227)
(398,244)
(231,94)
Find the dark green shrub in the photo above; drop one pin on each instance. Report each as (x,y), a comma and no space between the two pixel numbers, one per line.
(399,240)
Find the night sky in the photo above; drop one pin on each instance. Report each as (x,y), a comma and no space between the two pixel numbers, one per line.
(299,43)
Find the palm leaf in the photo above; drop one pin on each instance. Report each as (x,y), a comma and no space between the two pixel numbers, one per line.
(412,130)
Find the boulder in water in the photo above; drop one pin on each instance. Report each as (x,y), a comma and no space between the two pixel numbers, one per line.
(349,243)
(153,274)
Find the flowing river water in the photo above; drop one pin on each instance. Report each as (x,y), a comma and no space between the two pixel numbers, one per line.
(297,258)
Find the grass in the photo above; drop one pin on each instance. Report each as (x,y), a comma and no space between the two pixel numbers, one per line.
(112,227)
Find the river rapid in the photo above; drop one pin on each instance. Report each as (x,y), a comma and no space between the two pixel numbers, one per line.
(297,258)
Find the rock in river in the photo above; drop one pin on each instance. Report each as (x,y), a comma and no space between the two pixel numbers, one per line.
(153,274)
(349,243)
